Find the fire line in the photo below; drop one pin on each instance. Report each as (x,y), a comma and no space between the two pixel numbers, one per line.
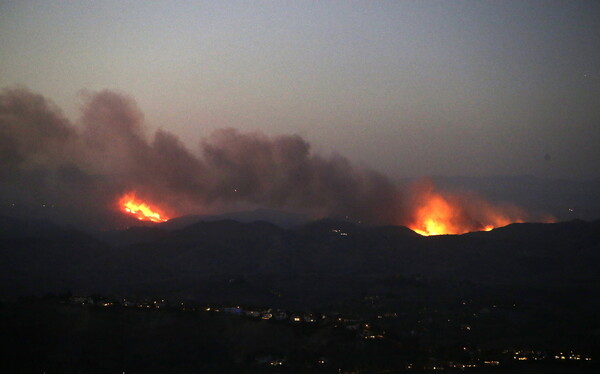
(438,213)
(141,210)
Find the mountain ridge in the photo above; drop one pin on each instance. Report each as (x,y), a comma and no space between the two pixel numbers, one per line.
(313,261)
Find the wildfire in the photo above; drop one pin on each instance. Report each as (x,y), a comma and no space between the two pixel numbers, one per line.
(436,213)
(130,204)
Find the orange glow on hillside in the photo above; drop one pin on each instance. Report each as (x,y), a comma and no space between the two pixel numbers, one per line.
(436,213)
(130,204)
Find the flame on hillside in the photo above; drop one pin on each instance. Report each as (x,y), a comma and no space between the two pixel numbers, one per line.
(141,210)
(439,213)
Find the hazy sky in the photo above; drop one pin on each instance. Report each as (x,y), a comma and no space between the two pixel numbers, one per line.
(409,88)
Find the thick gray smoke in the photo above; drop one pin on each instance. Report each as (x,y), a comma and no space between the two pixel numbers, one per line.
(77,171)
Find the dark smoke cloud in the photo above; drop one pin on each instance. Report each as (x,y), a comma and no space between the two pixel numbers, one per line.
(80,169)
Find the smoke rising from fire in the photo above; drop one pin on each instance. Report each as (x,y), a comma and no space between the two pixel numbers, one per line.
(81,169)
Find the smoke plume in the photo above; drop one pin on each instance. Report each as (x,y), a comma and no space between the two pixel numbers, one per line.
(77,171)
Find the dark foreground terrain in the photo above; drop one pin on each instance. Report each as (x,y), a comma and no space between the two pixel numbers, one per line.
(53,335)
(326,297)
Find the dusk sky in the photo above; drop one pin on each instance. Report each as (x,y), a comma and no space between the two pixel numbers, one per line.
(408,88)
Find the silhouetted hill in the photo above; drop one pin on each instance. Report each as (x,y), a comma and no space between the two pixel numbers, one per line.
(179,223)
(132,235)
(318,262)
(39,257)
(276,217)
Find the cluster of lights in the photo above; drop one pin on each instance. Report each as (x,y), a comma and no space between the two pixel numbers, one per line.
(339,232)
(572,356)
(537,356)
(462,366)
(528,355)
(372,336)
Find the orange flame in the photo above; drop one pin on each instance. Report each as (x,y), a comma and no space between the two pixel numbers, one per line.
(435,213)
(128,203)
